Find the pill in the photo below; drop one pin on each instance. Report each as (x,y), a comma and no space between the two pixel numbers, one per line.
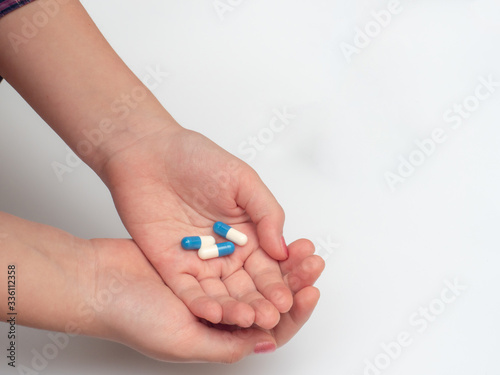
(195,243)
(216,251)
(230,233)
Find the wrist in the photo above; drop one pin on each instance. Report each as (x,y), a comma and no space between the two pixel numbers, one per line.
(54,272)
(113,134)
(137,153)
(116,271)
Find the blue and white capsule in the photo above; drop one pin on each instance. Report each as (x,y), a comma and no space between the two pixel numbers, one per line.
(230,233)
(195,243)
(216,251)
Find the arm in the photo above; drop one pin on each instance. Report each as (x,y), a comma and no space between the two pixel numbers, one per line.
(161,176)
(75,81)
(54,272)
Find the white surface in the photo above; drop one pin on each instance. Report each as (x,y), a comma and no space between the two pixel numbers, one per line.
(387,253)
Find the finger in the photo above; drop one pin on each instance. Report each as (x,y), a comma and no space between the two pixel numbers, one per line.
(214,344)
(305,274)
(178,336)
(298,251)
(266,274)
(241,286)
(304,303)
(233,311)
(264,210)
(189,290)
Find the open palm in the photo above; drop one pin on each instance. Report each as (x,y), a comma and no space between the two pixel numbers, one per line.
(175,184)
(174,334)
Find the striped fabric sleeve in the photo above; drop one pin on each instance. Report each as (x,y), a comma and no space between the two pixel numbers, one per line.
(7,6)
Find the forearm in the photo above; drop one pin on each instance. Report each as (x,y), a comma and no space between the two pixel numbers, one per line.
(54,274)
(72,77)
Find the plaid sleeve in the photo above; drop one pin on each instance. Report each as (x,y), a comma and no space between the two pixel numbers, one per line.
(7,6)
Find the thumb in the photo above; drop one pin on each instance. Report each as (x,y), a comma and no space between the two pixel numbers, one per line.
(229,344)
(304,303)
(265,212)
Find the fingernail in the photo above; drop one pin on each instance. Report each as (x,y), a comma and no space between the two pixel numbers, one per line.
(284,247)
(264,347)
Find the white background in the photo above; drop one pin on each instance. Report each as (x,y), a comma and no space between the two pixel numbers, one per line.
(392,252)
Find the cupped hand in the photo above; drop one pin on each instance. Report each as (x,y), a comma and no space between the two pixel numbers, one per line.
(174,184)
(147,316)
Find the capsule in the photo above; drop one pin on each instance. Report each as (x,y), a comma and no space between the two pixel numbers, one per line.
(230,233)
(216,251)
(195,243)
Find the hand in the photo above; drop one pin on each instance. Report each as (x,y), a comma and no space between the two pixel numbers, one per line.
(147,316)
(177,183)
(161,179)
(107,288)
